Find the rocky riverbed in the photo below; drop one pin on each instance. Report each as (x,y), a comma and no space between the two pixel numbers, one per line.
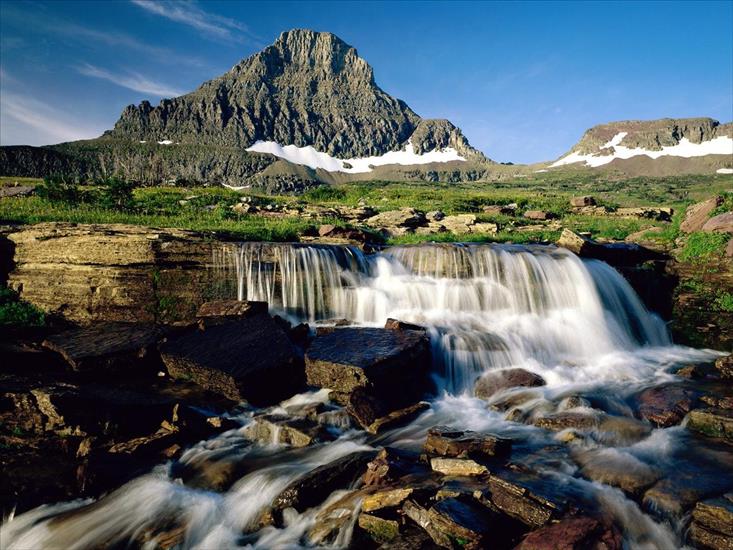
(452,396)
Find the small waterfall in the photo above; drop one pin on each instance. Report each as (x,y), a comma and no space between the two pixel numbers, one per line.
(486,306)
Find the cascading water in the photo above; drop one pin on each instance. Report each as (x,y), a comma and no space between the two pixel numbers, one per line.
(576,323)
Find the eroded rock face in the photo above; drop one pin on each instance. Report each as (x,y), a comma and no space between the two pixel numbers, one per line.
(112,272)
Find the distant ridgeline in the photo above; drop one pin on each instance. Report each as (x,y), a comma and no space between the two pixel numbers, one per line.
(306,110)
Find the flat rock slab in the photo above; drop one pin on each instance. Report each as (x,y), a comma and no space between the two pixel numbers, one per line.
(442,441)
(106,346)
(712,422)
(251,359)
(230,309)
(16,191)
(349,358)
(495,381)
(296,432)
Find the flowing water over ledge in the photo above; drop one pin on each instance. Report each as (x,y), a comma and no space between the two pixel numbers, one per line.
(576,323)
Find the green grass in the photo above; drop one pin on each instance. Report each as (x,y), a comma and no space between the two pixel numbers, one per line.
(704,247)
(16,312)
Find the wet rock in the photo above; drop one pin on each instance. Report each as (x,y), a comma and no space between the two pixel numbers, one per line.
(218,311)
(722,223)
(718,401)
(396,418)
(458,467)
(391,497)
(616,254)
(575,533)
(333,233)
(380,529)
(391,465)
(333,518)
(712,422)
(109,347)
(697,214)
(249,359)
(445,442)
(724,366)
(618,469)
(496,381)
(671,497)
(388,367)
(621,430)
(586,200)
(315,486)
(453,523)
(665,406)
(565,420)
(519,496)
(539,215)
(394,324)
(712,523)
(572,402)
(286,430)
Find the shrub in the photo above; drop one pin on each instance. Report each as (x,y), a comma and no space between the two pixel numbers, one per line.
(116,194)
(14,311)
(59,189)
(325,193)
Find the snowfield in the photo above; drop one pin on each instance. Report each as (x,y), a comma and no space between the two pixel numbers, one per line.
(722,145)
(315,159)
(724,171)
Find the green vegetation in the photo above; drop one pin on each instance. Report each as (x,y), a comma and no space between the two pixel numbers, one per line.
(16,312)
(703,247)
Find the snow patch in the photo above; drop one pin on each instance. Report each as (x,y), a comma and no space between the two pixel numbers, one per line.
(315,159)
(165,142)
(722,145)
(541,171)
(236,187)
(724,171)
(143,141)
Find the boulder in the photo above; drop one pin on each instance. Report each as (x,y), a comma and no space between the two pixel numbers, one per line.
(394,324)
(722,223)
(666,405)
(587,200)
(573,533)
(16,191)
(568,420)
(445,442)
(616,254)
(712,523)
(224,310)
(499,209)
(673,496)
(459,223)
(658,214)
(315,486)
(495,381)
(250,359)
(108,347)
(404,217)
(712,422)
(697,214)
(539,215)
(453,523)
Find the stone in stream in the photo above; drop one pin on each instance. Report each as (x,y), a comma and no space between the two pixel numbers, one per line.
(333,518)
(665,406)
(712,422)
(522,496)
(671,497)
(248,359)
(498,380)
(392,465)
(452,522)
(286,430)
(724,366)
(392,497)
(375,415)
(315,486)
(712,523)
(574,533)
(568,420)
(109,347)
(395,324)
(458,467)
(380,529)
(442,441)
(219,311)
(618,469)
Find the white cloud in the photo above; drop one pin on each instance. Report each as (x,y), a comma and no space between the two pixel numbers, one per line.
(28,121)
(189,13)
(130,80)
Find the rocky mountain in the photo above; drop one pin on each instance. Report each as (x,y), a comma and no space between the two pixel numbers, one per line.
(704,143)
(307,96)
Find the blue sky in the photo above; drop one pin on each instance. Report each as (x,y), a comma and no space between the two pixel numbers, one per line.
(522,79)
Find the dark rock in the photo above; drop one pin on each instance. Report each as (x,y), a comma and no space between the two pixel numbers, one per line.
(220,311)
(396,418)
(109,347)
(575,533)
(453,522)
(445,442)
(712,422)
(496,381)
(617,254)
(671,497)
(249,359)
(315,486)
(718,401)
(665,406)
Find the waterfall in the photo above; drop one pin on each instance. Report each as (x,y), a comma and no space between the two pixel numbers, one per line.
(486,306)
